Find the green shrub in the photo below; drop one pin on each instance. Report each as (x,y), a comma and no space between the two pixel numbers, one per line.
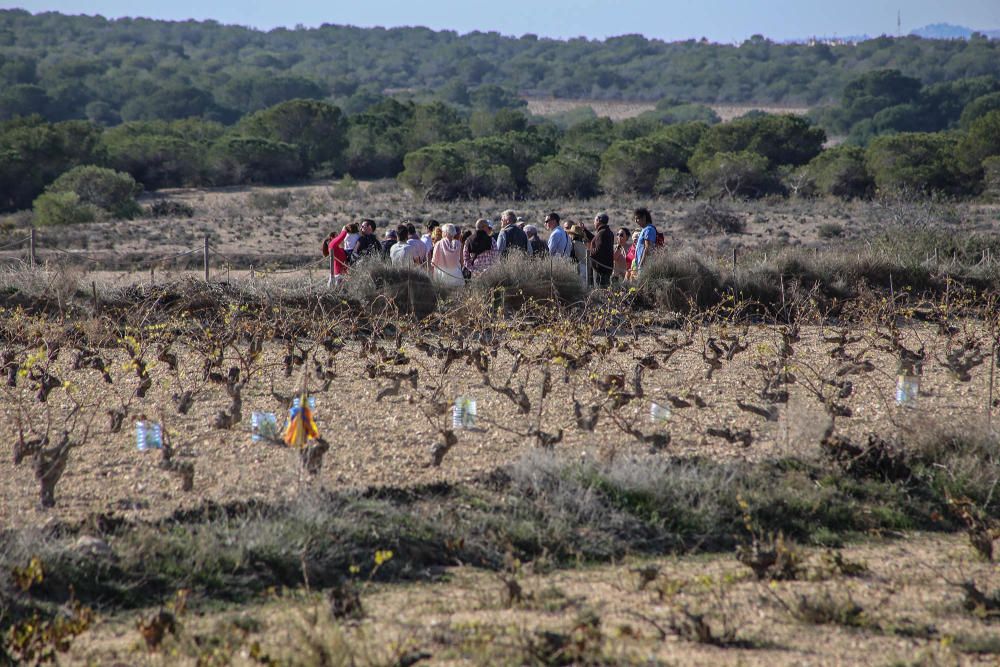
(916,162)
(781,140)
(841,172)
(63,208)
(669,112)
(484,167)
(991,177)
(113,192)
(565,175)
(237,159)
(830,230)
(981,141)
(575,116)
(169,209)
(634,165)
(316,129)
(743,174)
(676,184)
(979,107)
(157,161)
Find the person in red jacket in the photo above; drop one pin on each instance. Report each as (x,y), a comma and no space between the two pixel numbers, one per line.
(335,245)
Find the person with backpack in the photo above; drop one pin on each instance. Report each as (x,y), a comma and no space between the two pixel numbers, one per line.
(647,239)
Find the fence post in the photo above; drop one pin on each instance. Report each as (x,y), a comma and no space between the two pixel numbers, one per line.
(93,291)
(206,258)
(251,272)
(31,249)
(152,275)
(734,261)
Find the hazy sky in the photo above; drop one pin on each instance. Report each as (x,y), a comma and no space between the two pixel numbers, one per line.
(718,20)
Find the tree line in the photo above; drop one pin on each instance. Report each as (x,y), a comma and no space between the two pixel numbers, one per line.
(110,71)
(441,152)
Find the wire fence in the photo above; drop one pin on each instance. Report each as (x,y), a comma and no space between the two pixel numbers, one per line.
(257,266)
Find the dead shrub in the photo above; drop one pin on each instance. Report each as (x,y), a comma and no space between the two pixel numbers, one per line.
(712,218)
(381,285)
(518,280)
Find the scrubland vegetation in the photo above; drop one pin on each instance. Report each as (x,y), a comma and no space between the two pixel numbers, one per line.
(776,447)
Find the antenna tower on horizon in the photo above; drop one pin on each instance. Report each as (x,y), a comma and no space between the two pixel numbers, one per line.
(899,22)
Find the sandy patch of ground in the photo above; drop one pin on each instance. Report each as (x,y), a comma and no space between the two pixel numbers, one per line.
(619,110)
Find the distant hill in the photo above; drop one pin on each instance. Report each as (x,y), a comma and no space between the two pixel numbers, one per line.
(949,31)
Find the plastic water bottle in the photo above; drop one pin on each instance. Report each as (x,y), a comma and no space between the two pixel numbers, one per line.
(907,390)
(263,425)
(463,415)
(659,413)
(148,435)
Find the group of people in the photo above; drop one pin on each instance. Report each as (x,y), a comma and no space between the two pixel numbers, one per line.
(454,255)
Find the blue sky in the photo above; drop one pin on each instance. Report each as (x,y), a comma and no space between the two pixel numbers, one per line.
(718,20)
